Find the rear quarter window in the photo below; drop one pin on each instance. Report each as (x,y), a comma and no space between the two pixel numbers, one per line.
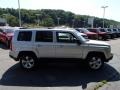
(24,36)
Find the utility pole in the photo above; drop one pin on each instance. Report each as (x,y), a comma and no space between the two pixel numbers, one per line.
(19,13)
(104,7)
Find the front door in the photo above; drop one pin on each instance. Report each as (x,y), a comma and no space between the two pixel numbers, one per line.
(66,46)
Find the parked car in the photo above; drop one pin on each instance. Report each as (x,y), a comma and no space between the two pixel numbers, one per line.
(30,45)
(112,32)
(84,35)
(108,32)
(117,33)
(6,35)
(91,35)
(101,35)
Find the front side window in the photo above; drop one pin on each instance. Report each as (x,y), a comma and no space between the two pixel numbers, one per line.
(24,36)
(65,37)
(44,36)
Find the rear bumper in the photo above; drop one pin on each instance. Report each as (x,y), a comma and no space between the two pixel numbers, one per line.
(13,57)
(110,58)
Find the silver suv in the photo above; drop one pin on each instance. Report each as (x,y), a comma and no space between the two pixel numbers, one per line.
(30,45)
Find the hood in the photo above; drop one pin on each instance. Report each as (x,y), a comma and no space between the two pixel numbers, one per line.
(91,33)
(10,34)
(102,33)
(82,34)
(95,42)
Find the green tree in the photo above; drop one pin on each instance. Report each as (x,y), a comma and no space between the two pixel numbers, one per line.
(48,22)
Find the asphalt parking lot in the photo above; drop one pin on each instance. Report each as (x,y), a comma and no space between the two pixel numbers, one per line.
(56,76)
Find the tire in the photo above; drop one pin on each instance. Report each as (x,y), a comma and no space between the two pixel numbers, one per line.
(95,61)
(100,37)
(28,62)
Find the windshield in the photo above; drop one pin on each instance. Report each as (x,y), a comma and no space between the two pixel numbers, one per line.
(114,30)
(102,30)
(109,29)
(83,30)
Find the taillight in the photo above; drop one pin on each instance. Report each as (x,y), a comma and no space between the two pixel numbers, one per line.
(11,46)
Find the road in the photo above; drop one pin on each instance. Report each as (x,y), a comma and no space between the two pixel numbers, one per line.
(56,76)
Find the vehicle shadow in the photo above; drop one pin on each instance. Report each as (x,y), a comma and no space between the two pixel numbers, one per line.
(57,75)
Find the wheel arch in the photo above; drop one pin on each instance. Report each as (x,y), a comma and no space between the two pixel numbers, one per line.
(27,53)
(96,53)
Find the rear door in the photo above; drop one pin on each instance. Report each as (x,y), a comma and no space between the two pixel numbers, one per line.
(44,43)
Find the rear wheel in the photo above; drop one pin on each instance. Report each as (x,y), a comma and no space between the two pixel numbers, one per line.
(28,62)
(95,62)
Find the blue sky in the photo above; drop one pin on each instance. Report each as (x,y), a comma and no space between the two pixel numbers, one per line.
(83,7)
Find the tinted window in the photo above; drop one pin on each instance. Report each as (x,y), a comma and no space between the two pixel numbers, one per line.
(25,36)
(44,36)
(102,30)
(65,37)
(109,29)
(114,30)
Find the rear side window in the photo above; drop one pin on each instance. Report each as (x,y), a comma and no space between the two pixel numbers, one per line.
(44,36)
(24,36)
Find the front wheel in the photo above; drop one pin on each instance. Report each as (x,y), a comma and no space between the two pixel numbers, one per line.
(95,62)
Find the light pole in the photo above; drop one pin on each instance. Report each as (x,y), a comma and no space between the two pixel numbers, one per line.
(84,23)
(104,7)
(73,21)
(58,19)
(6,17)
(19,13)
(38,19)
